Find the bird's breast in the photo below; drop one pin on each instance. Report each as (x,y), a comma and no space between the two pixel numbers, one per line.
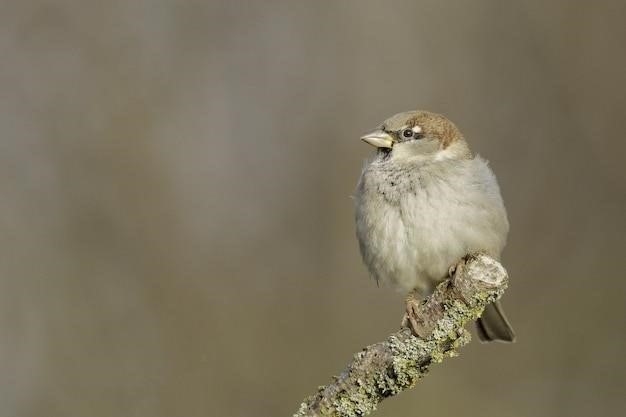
(412,228)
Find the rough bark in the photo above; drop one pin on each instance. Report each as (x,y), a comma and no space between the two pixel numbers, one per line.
(387,368)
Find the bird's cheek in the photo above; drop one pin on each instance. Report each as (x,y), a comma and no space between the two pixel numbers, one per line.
(423,146)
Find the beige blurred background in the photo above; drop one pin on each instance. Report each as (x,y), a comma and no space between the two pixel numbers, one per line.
(176,226)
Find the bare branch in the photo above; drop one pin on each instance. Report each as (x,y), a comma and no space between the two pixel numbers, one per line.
(387,368)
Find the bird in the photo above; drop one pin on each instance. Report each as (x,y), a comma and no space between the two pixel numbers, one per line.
(423,202)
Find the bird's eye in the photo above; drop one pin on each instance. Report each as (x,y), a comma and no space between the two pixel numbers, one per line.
(407,133)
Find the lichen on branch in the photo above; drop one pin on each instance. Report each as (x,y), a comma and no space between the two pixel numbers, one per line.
(387,368)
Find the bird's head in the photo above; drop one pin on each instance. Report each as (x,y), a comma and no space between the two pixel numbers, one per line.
(419,135)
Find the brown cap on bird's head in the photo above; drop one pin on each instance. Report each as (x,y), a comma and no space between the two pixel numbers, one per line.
(429,124)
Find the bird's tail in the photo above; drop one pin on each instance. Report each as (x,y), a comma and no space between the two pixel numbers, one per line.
(494,326)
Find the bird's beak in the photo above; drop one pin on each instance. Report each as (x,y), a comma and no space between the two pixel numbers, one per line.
(379,139)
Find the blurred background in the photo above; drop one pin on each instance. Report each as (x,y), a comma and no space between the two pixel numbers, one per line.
(176,225)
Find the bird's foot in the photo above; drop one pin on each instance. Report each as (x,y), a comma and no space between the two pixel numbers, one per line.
(411,317)
(460,264)
(452,270)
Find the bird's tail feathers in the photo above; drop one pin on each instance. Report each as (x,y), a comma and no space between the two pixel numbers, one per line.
(494,326)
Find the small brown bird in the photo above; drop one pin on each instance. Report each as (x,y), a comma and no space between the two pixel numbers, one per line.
(423,202)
